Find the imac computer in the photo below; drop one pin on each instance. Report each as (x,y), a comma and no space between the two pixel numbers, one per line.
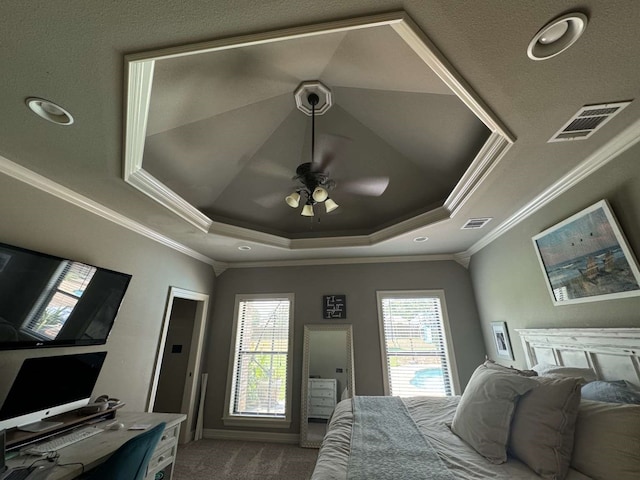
(48,386)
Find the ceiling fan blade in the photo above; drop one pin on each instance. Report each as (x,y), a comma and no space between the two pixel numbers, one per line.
(328,146)
(370,186)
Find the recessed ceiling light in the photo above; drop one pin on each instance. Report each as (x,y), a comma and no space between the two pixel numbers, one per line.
(244,248)
(420,239)
(556,36)
(49,111)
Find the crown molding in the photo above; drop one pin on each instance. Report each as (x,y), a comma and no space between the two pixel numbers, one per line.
(138,83)
(489,156)
(341,261)
(36,180)
(619,144)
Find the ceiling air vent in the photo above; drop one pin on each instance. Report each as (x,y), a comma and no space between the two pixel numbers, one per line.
(588,119)
(475,223)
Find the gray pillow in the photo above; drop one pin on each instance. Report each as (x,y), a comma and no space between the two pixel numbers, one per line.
(607,441)
(543,426)
(617,391)
(483,416)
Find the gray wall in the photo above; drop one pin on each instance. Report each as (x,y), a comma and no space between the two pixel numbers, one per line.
(507,277)
(38,221)
(359,283)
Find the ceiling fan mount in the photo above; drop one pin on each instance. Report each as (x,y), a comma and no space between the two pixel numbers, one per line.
(313,98)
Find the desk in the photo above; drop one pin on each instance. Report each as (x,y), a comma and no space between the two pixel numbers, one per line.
(95,450)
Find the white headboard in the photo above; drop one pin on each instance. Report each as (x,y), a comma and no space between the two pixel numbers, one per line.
(614,353)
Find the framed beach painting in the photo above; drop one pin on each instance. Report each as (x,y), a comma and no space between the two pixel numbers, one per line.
(586,258)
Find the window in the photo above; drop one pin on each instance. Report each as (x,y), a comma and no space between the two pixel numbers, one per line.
(417,355)
(58,299)
(260,383)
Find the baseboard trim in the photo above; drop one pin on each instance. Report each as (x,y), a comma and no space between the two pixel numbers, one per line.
(218,434)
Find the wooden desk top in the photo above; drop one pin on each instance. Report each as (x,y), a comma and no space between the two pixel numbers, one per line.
(94,450)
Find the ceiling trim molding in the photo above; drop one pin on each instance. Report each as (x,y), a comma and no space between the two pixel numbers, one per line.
(140,68)
(489,156)
(620,143)
(240,41)
(152,187)
(249,235)
(46,185)
(341,261)
(138,93)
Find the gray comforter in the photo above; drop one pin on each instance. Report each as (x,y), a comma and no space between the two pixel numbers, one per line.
(387,445)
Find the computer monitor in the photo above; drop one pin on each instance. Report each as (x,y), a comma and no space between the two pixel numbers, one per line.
(48,386)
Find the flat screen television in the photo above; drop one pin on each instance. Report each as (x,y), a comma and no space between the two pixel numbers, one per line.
(48,386)
(48,301)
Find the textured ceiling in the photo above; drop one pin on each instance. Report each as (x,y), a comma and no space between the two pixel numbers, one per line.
(74,55)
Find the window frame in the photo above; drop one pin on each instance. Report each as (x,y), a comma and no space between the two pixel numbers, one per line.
(230,419)
(448,344)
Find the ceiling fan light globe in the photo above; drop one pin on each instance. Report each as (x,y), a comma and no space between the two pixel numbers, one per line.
(307,211)
(330,205)
(320,194)
(293,200)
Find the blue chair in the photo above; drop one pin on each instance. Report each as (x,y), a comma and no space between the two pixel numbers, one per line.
(129,462)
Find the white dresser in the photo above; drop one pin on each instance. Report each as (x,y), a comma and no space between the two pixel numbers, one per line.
(322,397)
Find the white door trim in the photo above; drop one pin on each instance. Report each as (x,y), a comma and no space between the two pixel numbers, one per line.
(195,355)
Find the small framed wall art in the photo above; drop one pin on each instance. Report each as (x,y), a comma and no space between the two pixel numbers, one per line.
(501,338)
(334,306)
(586,258)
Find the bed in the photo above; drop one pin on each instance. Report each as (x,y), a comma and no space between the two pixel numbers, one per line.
(547,427)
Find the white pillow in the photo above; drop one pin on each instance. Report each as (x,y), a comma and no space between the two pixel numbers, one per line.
(483,416)
(543,426)
(544,369)
(607,441)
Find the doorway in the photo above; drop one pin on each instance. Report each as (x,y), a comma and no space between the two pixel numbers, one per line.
(176,376)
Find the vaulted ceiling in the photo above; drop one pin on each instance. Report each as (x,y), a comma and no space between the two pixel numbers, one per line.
(186,123)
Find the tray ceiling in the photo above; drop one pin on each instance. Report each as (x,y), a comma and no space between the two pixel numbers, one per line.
(224,137)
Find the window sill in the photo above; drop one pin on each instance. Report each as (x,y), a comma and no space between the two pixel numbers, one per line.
(254,421)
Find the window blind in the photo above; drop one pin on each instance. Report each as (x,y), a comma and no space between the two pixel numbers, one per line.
(261,352)
(415,346)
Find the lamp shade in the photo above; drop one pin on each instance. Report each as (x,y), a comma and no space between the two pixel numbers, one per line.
(320,194)
(293,200)
(307,210)
(330,205)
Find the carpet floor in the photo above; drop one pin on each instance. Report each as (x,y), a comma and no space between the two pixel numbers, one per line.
(238,460)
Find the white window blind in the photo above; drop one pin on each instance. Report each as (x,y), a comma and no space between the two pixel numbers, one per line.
(414,344)
(261,358)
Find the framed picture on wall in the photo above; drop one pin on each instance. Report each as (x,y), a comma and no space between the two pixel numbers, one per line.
(586,258)
(334,306)
(501,338)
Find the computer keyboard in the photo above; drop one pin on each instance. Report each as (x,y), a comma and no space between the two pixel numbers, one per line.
(17,474)
(62,441)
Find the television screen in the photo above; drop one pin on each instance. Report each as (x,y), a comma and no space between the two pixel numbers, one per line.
(48,301)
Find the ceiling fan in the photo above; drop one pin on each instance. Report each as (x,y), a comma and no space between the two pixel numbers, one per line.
(313,177)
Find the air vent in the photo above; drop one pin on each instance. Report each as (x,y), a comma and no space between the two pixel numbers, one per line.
(475,223)
(588,119)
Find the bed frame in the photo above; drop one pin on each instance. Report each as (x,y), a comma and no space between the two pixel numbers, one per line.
(613,353)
